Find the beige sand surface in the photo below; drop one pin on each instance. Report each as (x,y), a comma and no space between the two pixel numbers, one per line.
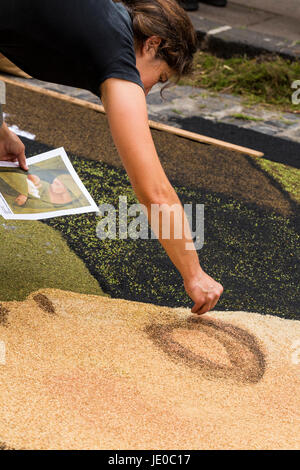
(89,372)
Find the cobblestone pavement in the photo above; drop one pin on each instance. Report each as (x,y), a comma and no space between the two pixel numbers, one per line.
(189,102)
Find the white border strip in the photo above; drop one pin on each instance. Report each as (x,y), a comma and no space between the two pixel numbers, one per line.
(221,29)
(18,131)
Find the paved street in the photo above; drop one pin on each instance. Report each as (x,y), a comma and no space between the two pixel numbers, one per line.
(273,17)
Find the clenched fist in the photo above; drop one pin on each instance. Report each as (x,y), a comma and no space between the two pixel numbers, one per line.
(204,291)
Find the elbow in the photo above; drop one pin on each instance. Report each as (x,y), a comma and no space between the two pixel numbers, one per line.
(163,195)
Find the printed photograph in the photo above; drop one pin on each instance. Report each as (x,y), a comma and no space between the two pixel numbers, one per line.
(50,188)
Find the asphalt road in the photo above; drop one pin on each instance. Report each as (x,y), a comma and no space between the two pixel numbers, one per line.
(275,149)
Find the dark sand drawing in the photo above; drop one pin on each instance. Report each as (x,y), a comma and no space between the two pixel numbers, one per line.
(44,303)
(247,362)
(3,446)
(3,315)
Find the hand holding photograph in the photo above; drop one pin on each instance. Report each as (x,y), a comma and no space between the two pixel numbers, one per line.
(50,188)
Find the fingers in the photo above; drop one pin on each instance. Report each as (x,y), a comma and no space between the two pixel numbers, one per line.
(197,306)
(201,309)
(19,158)
(206,308)
(207,304)
(22,160)
(204,291)
(8,158)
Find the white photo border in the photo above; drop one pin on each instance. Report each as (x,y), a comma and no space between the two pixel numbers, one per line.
(59,152)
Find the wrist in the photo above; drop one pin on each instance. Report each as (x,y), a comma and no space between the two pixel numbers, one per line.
(192,275)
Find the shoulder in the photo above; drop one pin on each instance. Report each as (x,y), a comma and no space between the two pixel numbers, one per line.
(121,63)
(106,15)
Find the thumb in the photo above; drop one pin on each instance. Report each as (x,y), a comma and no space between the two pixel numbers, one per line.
(22,160)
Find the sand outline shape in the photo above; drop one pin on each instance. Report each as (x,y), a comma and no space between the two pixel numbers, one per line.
(4,312)
(44,303)
(4,446)
(236,341)
(40,299)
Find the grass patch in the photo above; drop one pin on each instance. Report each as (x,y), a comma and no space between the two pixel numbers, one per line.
(245,117)
(287,121)
(177,111)
(266,79)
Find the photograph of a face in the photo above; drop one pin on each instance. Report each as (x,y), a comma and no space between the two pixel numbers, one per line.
(50,188)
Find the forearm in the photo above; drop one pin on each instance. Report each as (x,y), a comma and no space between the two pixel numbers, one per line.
(170,224)
(127,115)
(126,109)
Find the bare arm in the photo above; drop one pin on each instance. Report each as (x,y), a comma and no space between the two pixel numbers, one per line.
(126,109)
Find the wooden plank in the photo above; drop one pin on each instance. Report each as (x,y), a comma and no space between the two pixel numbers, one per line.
(54,94)
(153,124)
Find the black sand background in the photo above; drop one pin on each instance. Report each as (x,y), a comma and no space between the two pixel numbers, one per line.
(251,228)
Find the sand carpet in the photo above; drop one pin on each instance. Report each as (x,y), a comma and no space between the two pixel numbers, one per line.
(90,372)
(82,371)
(251,216)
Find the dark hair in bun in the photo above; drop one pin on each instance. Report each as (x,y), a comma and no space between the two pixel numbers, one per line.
(167,20)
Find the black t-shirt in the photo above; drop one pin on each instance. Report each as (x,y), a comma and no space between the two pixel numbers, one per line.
(79,43)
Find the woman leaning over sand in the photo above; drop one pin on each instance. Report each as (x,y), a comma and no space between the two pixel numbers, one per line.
(117,50)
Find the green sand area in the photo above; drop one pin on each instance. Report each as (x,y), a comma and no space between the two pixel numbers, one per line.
(287,176)
(33,256)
